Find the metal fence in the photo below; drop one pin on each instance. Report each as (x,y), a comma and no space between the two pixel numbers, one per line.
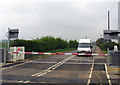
(113,58)
(2,55)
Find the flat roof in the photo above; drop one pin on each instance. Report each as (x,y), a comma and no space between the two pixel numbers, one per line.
(111,31)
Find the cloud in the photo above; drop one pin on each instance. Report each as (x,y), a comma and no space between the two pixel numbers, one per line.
(66,19)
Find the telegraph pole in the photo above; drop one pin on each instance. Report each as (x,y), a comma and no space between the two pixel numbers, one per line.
(8,38)
(8,35)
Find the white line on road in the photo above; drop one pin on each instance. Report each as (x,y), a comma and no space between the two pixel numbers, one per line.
(107,75)
(15,65)
(52,67)
(20,81)
(81,59)
(91,71)
(23,81)
(26,82)
(44,62)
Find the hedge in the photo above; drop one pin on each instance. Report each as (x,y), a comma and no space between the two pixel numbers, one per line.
(44,44)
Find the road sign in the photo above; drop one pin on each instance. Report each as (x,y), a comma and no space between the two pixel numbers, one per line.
(13,33)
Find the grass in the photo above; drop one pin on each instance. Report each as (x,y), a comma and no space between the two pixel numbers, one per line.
(3,45)
(62,50)
(113,68)
(33,57)
(104,51)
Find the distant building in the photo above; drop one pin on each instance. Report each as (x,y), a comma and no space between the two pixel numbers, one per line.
(111,35)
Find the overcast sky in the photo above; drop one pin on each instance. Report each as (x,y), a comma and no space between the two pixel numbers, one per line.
(68,19)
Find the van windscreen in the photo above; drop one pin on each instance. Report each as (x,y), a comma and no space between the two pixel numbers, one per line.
(84,45)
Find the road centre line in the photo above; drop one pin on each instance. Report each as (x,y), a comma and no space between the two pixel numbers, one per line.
(23,81)
(52,67)
(39,74)
(20,81)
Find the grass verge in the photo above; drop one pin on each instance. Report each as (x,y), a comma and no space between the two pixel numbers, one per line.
(113,68)
(104,51)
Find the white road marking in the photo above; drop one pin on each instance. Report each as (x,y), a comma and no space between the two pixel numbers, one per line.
(81,59)
(3,68)
(85,63)
(49,70)
(44,62)
(90,75)
(41,74)
(35,74)
(26,81)
(107,74)
(14,65)
(52,67)
(16,81)
(91,71)
(88,82)
(20,81)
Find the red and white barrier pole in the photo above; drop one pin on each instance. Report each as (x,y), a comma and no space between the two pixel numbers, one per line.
(40,53)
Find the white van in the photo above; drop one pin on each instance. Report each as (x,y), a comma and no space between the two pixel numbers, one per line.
(84,46)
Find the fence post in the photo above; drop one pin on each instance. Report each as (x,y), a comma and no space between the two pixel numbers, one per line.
(4,55)
(108,57)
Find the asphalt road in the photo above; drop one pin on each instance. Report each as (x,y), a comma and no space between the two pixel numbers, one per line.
(59,69)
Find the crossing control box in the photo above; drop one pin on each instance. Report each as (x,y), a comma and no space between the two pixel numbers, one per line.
(17,57)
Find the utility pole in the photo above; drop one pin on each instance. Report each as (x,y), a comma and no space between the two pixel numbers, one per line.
(8,39)
(8,45)
(108,21)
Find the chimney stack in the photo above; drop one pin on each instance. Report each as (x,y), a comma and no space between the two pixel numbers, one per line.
(108,21)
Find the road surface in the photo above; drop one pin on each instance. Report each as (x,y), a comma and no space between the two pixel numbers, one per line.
(59,69)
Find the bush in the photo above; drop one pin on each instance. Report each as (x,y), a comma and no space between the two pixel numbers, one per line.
(44,44)
(103,44)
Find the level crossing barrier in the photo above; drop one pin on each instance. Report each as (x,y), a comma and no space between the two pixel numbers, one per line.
(57,53)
